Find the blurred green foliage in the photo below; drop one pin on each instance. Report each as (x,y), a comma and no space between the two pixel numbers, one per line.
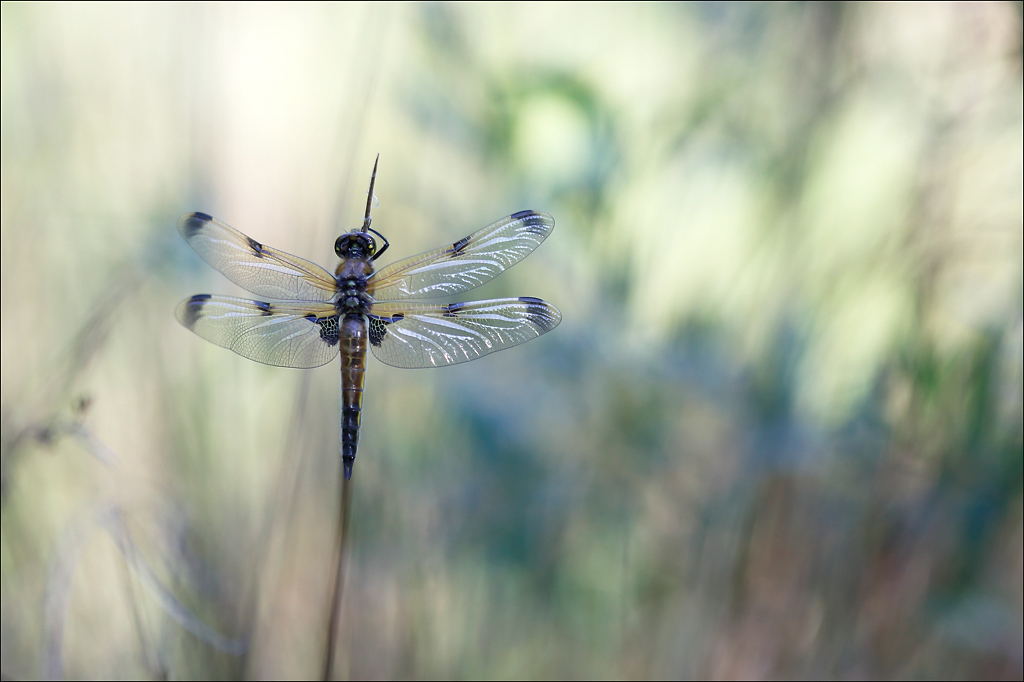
(778,433)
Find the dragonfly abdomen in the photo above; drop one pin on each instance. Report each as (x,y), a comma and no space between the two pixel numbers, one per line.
(353,370)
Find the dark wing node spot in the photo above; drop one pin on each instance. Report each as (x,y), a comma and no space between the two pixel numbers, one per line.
(452,309)
(256,247)
(328,329)
(460,246)
(194,310)
(265,307)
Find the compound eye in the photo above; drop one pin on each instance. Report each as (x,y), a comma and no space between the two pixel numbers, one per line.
(371,244)
(338,244)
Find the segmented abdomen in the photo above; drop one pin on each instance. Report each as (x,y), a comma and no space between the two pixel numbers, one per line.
(352,341)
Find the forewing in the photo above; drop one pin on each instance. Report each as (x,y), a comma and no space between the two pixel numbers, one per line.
(432,335)
(258,268)
(284,335)
(465,264)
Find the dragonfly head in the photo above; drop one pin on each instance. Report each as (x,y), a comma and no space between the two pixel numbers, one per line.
(358,245)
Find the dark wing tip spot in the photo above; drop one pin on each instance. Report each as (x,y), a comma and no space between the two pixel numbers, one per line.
(541,314)
(535,222)
(190,311)
(205,217)
(193,223)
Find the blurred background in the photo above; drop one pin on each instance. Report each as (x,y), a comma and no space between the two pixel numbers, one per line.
(778,433)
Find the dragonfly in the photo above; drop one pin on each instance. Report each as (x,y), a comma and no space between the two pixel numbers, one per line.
(315,316)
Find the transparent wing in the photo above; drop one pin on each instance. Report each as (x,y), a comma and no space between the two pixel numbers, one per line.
(433,334)
(465,264)
(258,268)
(284,335)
